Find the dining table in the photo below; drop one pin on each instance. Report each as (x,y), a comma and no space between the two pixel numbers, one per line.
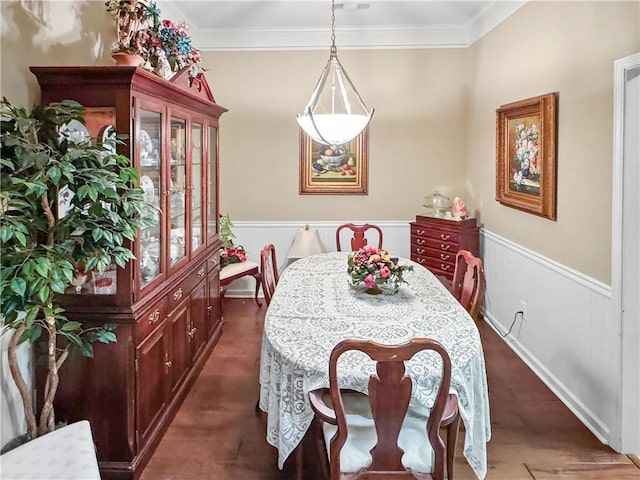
(314,307)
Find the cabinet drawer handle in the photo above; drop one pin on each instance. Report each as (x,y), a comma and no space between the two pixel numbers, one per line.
(444,267)
(154,317)
(445,247)
(444,256)
(420,261)
(420,242)
(214,263)
(201,272)
(168,364)
(177,295)
(420,251)
(420,232)
(209,308)
(444,237)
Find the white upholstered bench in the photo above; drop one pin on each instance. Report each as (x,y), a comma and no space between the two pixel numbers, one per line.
(66,453)
(233,271)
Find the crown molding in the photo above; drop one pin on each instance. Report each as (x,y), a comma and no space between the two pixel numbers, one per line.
(369,37)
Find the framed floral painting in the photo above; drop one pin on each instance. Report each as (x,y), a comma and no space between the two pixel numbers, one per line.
(334,169)
(526,142)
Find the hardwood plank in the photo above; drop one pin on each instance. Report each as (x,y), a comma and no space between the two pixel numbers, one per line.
(585,471)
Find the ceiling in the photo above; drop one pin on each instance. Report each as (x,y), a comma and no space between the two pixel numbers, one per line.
(305,24)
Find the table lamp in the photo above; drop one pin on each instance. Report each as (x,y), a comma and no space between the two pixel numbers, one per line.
(306,242)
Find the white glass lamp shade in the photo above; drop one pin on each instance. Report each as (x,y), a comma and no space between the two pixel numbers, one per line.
(306,242)
(337,129)
(335,113)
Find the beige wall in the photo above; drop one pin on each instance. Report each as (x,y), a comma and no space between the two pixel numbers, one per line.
(49,33)
(569,48)
(416,135)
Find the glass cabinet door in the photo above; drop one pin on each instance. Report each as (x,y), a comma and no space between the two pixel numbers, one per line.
(212,180)
(177,189)
(197,174)
(148,140)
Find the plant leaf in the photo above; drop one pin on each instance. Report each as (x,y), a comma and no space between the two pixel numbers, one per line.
(19,286)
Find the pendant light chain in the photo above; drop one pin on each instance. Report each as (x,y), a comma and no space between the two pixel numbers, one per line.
(334,50)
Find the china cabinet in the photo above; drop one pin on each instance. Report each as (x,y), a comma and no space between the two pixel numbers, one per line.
(435,242)
(166,303)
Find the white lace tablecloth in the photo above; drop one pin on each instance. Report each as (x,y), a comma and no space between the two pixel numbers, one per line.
(314,308)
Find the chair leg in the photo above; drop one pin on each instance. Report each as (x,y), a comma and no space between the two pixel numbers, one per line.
(322,449)
(258,278)
(452,438)
(299,461)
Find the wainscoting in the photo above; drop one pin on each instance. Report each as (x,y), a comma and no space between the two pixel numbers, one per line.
(568,336)
(255,235)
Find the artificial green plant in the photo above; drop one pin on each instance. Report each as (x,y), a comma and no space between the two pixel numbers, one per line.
(42,248)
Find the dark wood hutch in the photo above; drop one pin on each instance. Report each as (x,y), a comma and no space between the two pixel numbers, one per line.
(166,303)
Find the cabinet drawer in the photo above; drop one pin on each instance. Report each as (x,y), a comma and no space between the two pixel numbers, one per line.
(436,254)
(443,235)
(183,288)
(150,319)
(440,245)
(435,265)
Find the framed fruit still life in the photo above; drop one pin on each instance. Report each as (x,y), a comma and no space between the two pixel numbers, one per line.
(334,169)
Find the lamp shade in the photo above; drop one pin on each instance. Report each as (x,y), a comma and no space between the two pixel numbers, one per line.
(306,242)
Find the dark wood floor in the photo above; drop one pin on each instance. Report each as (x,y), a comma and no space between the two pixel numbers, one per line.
(217,435)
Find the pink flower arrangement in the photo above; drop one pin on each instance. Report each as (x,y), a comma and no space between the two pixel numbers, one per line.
(374,267)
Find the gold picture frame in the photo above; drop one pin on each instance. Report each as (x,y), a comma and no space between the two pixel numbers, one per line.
(344,171)
(526,144)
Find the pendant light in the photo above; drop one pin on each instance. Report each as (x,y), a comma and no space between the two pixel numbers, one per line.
(335,113)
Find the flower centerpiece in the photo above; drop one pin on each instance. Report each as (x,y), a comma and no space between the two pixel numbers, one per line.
(374,268)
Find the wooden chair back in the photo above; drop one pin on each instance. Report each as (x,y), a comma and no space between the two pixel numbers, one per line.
(358,240)
(268,272)
(389,394)
(468,282)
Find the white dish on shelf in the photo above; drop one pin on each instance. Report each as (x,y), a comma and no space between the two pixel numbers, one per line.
(75,132)
(149,161)
(146,145)
(146,184)
(109,138)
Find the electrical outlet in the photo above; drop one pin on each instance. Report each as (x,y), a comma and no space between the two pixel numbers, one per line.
(523,308)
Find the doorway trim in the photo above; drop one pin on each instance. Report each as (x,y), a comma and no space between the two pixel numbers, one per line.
(627,439)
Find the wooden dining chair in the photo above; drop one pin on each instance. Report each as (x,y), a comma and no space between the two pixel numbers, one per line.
(366,435)
(468,282)
(358,240)
(268,272)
